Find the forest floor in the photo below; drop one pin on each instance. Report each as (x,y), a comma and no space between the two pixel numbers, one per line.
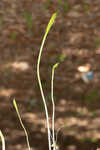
(73,41)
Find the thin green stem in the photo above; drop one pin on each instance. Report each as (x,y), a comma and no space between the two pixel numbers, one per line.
(52,98)
(38,75)
(27,139)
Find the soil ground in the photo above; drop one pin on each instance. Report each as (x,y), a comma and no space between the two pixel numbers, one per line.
(74,41)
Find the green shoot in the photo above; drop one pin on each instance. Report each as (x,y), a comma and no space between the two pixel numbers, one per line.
(17,111)
(52,97)
(38,75)
(62,57)
(13,35)
(3,140)
(66,6)
(28,18)
(47,4)
(98,42)
(86,7)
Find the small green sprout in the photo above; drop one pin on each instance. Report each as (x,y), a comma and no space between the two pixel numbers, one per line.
(17,111)
(86,7)
(98,42)
(28,18)
(13,35)
(66,6)
(47,4)
(62,57)
(93,113)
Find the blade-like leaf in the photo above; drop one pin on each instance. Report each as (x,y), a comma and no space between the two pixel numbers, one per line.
(38,75)
(50,23)
(26,134)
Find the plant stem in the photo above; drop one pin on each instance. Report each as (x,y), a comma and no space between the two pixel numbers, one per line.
(3,140)
(52,98)
(38,75)
(27,139)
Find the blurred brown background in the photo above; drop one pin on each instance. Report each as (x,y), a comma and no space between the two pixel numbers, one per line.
(74,41)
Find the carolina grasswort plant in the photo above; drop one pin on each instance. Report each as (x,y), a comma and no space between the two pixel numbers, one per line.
(40,85)
(52,139)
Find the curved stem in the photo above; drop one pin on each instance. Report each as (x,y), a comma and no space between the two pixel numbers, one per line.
(38,75)
(3,140)
(27,138)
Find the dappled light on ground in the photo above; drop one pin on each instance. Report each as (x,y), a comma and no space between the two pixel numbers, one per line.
(71,147)
(78,121)
(16,66)
(6,92)
(74,41)
(21,66)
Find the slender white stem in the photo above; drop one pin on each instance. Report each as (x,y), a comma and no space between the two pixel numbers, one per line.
(52,98)
(53,114)
(58,130)
(38,75)
(42,94)
(3,140)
